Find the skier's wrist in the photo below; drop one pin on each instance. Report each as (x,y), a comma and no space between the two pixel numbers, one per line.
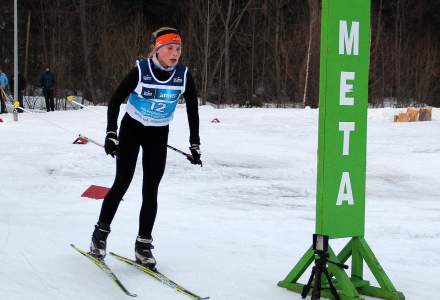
(111,134)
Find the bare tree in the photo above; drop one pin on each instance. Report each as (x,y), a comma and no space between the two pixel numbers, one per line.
(82,10)
(238,50)
(230,19)
(313,22)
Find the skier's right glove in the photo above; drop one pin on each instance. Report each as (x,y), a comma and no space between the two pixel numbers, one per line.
(111,143)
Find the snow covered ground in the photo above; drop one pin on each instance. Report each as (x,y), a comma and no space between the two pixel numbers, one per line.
(230,230)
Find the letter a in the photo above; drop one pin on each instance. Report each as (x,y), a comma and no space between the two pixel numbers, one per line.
(345,193)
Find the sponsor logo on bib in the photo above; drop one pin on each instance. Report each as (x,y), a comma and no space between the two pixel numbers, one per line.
(177,80)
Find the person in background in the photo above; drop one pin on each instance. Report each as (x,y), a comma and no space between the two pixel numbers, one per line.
(4,83)
(21,89)
(47,82)
(153,88)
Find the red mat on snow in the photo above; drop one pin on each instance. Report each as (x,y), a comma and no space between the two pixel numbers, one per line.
(95,192)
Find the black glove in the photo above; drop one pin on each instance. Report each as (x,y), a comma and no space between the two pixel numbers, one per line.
(111,143)
(195,153)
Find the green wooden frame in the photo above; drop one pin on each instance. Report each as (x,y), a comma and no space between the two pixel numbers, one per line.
(343,100)
(348,287)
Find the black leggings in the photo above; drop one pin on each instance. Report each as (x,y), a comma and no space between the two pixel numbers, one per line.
(154,141)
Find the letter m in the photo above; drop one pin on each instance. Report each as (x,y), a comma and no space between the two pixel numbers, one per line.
(348,41)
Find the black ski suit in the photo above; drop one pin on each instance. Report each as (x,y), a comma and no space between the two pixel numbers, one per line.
(153,140)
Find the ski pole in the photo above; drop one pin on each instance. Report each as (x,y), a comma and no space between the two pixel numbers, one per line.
(90,140)
(188,156)
(71,99)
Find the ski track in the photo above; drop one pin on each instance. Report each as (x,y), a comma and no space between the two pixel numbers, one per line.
(230,230)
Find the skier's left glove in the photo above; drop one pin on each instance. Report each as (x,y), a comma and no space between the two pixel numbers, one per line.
(195,155)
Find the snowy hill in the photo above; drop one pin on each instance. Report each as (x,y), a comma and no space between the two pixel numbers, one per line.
(230,230)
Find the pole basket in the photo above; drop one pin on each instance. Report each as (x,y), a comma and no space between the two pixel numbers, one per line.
(80,140)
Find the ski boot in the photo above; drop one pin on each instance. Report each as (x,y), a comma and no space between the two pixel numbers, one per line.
(99,240)
(143,253)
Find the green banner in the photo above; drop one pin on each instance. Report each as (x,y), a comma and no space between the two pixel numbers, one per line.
(343,103)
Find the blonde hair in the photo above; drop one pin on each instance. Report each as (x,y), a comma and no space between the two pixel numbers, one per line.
(155,33)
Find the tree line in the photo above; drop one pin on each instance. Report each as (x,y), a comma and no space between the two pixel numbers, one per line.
(239,51)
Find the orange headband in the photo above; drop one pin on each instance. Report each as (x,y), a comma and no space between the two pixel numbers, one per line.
(169,38)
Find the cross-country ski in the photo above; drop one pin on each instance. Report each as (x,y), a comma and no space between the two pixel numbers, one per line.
(103,266)
(158,276)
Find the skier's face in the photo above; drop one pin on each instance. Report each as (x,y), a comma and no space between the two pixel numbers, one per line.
(169,55)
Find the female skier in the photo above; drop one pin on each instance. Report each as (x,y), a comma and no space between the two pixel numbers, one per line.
(153,88)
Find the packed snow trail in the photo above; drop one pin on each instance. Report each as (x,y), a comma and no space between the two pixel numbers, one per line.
(230,230)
